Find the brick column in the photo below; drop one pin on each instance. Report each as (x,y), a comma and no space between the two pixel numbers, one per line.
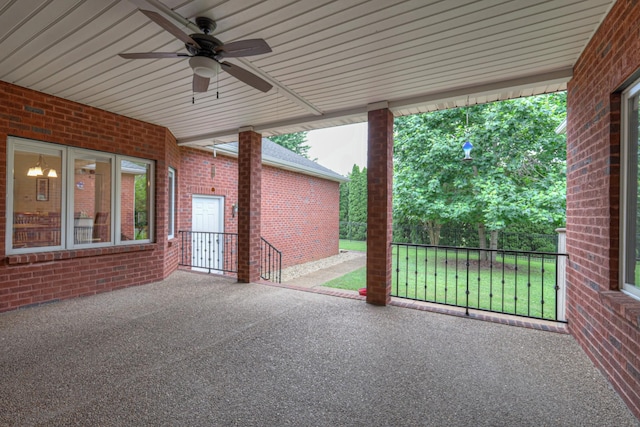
(379,204)
(249,197)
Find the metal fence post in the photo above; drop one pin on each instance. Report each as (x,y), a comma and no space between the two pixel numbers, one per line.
(561,297)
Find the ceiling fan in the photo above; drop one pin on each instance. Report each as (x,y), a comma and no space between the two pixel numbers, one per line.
(206,53)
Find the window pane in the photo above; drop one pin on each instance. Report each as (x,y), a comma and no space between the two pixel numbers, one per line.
(171,202)
(134,200)
(633,213)
(631,175)
(37,199)
(92,199)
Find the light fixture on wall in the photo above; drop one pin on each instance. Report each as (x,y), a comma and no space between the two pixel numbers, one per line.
(234,210)
(41,167)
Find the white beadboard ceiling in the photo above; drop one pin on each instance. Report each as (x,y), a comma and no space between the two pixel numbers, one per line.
(331,59)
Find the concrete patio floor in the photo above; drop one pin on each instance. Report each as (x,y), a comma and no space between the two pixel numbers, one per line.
(201,350)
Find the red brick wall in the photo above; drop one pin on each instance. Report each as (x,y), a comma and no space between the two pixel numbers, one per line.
(605,322)
(300,215)
(35,278)
(194,178)
(127,209)
(84,197)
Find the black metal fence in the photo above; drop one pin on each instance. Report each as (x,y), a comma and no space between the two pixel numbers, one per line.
(209,251)
(522,283)
(465,235)
(270,262)
(460,235)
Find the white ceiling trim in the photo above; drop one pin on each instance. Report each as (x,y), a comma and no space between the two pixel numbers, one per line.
(330,59)
(554,77)
(470,94)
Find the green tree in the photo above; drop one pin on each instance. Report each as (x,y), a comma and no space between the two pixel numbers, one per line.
(431,185)
(358,195)
(295,142)
(358,201)
(517,174)
(140,193)
(353,205)
(344,201)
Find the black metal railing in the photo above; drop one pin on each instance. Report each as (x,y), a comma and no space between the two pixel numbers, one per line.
(270,262)
(512,282)
(209,251)
(212,251)
(456,234)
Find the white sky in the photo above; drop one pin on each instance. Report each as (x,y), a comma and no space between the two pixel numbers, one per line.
(340,147)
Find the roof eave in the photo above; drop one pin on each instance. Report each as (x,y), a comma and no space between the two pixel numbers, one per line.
(280,164)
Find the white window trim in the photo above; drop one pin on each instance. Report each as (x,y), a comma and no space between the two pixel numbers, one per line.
(627,168)
(69,155)
(171,214)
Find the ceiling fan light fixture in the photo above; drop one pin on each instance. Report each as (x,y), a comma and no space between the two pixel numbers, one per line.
(204,66)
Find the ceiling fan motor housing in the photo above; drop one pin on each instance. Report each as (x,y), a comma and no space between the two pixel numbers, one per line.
(203,62)
(208,45)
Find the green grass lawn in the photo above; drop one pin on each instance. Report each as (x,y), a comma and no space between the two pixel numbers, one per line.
(353,245)
(355,280)
(524,286)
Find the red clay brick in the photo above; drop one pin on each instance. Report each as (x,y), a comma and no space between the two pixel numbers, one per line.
(379,216)
(599,316)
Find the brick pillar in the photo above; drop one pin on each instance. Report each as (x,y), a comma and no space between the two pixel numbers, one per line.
(249,197)
(379,204)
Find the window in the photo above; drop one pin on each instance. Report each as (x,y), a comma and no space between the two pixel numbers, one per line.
(135,200)
(36,186)
(92,196)
(171,214)
(65,197)
(630,226)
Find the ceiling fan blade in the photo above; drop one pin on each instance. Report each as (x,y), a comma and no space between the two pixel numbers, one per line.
(244,48)
(200,84)
(168,26)
(246,77)
(149,55)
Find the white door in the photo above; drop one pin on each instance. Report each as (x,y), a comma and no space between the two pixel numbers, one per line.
(207,242)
